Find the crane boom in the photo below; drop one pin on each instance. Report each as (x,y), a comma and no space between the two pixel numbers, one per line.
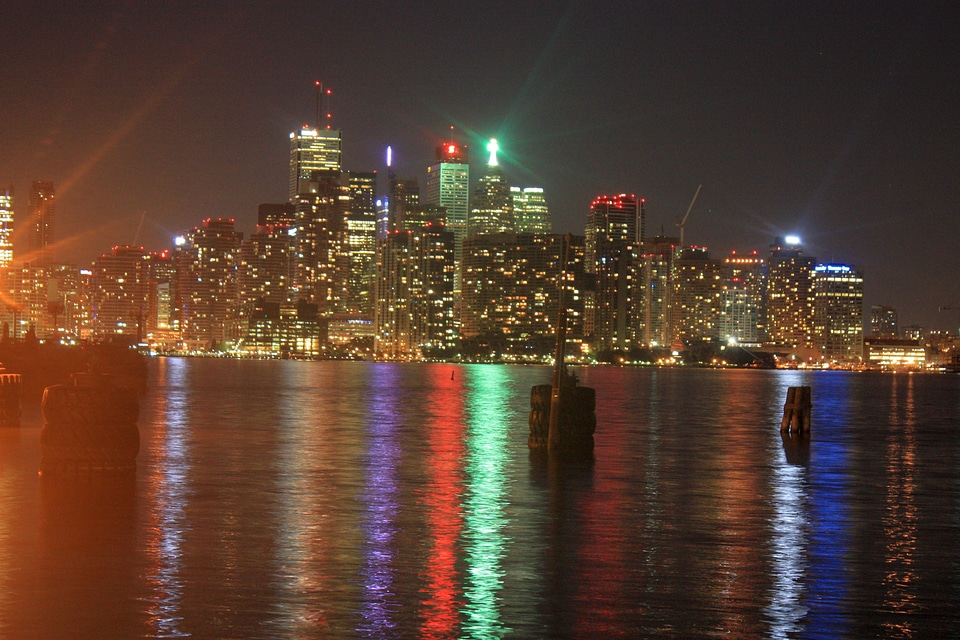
(687,214)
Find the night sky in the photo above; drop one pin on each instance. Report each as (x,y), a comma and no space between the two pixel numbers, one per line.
(839,122)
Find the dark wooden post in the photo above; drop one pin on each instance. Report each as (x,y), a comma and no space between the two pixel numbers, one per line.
(796,411)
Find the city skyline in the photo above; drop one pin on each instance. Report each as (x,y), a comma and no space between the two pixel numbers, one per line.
(832,121)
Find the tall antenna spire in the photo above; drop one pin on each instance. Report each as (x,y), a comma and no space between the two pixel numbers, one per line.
(319,86)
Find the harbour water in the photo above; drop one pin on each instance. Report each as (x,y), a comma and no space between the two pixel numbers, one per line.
(278,499)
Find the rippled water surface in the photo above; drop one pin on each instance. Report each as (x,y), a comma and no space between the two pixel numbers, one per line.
(340,499)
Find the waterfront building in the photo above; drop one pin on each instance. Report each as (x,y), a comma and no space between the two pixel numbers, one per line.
(530,211)
(894,353)
(415,312)
(492,204)
(49,299)
(6,227)
(41,223)
(884,322)
(448,185)
(742,312)
(614,232)
(120,283)
(206,293)
(657,282)
(510,301)
(789,302)
(312,149)
(695,303)
(838,312)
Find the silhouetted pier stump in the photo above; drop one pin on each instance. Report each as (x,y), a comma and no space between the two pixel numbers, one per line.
(90,426)
(796,411)
(577,421)
(10,389)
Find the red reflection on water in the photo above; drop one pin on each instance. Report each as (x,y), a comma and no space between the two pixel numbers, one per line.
(442,592)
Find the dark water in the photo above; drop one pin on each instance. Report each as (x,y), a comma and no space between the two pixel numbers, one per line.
(329,499)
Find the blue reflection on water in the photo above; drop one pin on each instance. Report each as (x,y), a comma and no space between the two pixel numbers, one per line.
(830,520)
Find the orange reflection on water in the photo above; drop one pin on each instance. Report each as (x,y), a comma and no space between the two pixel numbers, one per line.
(901,512)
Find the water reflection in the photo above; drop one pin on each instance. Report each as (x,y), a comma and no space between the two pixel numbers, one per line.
(486,494)
(900,512)
(830,521)
(168,488)
(379,499)
(442,593)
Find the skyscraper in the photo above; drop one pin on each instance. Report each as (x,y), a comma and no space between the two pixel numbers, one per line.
(312,149)
(789,294)
(6,227)
(492,208)
(448,185)
(359,245)
(614,233)
(695,303)
(41,221)
(530,211)
(838,312)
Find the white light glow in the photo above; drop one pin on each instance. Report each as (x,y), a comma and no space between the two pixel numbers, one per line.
(792,239)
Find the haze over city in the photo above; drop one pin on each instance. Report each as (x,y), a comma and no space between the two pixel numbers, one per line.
(833,121)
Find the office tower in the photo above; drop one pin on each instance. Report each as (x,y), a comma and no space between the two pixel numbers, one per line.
(657,282)
(6,226)
(311,150)
(320,217)
(120,285)
(415,316)
(789,295)
(510,299)
(358,245)
(838,312)
(206,260)
(741,318)
(613,236)
(695,303)
(530,211)
(884,322)
(492,205)
(41,221)
(448,185)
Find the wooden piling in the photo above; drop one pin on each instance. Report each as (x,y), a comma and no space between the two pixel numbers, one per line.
(796,411)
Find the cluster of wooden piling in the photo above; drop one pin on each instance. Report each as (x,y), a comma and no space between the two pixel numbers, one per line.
(10,391)
(796,411)
(576,420)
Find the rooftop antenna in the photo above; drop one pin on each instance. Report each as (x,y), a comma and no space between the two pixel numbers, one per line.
(319,86)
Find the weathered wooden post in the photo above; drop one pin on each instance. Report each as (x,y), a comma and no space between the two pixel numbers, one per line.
(796,411)
(10,385)
(90,426)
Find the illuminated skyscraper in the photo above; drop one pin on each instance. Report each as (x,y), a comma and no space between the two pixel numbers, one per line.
(448,185)
(120,287)
(695,303)
(206,261)
(312,149)
(742,311)
(838,312)
(41,221)
(359,245)
(789,295)
(614,233)
(492,208)
(320,218)
(6,227)
(530,211)
(657,281)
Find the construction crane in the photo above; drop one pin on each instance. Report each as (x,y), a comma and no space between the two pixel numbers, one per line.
(684,221)
(950,308)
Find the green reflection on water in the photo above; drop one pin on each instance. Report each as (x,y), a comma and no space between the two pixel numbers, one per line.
(484,520)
